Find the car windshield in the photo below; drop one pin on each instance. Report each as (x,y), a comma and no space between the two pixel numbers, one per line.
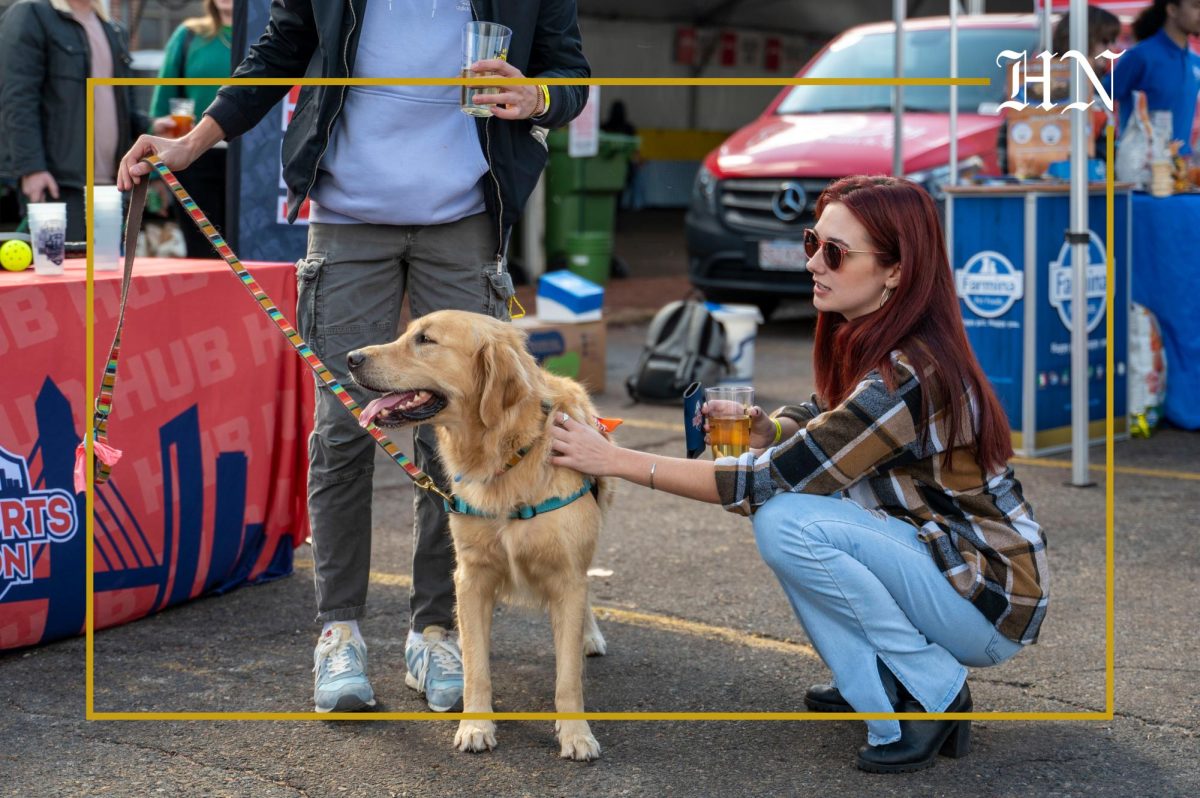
(926,55)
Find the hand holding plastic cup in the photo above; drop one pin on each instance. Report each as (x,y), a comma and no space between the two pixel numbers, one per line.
(728,410)
(48,234)
(183,114)
(481,41)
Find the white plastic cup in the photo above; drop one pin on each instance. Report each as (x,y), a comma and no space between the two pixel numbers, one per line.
(106,229)
(741,328)
(48,236)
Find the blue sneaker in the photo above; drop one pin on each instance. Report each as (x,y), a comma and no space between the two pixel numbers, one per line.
(435,668)
(340,662)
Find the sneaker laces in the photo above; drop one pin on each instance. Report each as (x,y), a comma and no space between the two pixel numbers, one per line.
(336,649)
(445,654)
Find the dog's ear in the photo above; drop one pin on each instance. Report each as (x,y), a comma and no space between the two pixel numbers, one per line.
(503,381)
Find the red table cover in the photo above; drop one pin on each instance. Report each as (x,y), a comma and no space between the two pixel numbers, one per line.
(212,411)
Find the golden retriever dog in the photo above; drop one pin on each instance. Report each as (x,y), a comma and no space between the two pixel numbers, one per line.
(472,377)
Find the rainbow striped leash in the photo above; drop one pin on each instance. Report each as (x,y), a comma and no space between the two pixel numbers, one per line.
(104,462)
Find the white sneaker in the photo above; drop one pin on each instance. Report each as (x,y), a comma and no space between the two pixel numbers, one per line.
(340,665)
(435,668)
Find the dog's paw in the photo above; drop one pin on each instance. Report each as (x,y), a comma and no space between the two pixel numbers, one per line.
(474,736)
(594,645)
(576,741)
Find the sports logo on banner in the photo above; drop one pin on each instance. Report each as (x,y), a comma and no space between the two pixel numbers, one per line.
(1062,282)
(29,520)
(989,284)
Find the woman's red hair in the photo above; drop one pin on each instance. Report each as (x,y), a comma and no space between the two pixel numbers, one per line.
(921,319)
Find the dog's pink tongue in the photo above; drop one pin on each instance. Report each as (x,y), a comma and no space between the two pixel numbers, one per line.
(377,406)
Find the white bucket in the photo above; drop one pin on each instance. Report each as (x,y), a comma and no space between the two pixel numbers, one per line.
(741,327)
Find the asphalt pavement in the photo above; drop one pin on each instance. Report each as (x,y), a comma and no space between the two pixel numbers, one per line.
(695,622)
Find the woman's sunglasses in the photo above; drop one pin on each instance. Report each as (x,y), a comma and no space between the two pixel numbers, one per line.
(833,252)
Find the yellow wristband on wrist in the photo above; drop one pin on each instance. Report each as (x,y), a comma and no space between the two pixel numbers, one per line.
(778,432)
(545,99)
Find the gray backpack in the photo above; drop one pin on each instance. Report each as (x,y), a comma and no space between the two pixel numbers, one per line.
(685,344)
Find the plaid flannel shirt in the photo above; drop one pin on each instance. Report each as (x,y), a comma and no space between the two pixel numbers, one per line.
(978,526)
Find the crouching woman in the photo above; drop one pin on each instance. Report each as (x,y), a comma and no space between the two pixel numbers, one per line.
(885,505)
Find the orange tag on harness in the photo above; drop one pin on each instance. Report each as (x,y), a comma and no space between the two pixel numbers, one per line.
(608,424)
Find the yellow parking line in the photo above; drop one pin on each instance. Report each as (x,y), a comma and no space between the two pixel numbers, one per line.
(1141,472)
(646,620)
(1161,473)
(667,623)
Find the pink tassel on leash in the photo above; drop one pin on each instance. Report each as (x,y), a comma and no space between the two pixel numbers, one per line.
(103,452)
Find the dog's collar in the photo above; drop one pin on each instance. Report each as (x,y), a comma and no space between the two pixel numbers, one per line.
(521,512)
(519,454)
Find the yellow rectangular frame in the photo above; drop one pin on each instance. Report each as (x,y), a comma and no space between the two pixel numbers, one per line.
(92,714)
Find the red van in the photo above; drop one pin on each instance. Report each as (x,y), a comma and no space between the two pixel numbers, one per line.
(755,194)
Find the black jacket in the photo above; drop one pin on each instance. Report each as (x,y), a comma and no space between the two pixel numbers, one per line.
(44,63)
(545,43)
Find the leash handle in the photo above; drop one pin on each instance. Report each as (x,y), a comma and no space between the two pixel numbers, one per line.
(105,456)
(137,206)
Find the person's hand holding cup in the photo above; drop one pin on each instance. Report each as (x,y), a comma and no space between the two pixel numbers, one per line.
(727,410)
(484,42)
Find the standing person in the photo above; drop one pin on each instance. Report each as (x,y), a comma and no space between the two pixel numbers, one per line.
(199,48)
(886,505)
(410,196)
(618,122)
(1163,66)
(48,48)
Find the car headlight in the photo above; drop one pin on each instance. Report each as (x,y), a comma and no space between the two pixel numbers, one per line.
(704,191)
(935,180)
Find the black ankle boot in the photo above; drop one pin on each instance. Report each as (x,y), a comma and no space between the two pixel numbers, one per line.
(921,740)
(825,698)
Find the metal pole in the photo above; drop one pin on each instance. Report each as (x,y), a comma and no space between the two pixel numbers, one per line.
(1078,236)
(953,93)
(1044,18)
(953,126)
(898,11)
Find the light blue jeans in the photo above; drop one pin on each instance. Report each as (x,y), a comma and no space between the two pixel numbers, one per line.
(866,591)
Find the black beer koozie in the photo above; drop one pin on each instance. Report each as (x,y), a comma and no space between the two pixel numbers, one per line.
(693,422)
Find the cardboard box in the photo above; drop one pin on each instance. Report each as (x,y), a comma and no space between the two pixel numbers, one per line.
(569,350)
(1038,137)
(565,296)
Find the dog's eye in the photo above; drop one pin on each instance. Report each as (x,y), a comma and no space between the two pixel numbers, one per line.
(422,339)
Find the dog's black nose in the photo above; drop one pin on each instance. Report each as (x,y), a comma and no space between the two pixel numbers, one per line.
(355,359)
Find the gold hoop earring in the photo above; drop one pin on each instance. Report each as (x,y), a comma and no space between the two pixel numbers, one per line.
(887,294)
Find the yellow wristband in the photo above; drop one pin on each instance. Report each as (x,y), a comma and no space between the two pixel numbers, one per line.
(778,432)
(545,99)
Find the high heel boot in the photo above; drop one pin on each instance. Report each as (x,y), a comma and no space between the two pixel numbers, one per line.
(921,740)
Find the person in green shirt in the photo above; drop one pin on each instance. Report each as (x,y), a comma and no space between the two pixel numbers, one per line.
(199,48)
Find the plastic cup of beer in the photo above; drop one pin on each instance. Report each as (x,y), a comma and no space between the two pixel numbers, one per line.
(183,114)
(481,41)
(48,235)
(729,419)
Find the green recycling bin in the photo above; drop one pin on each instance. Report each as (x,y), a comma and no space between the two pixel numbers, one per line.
(581,198)
(589,255)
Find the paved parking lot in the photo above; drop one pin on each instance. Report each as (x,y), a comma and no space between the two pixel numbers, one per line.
(694,621)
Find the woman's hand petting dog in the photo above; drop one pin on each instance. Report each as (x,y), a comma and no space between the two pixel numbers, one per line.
(581,447)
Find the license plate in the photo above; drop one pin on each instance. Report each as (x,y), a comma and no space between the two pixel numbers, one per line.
(782,255)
